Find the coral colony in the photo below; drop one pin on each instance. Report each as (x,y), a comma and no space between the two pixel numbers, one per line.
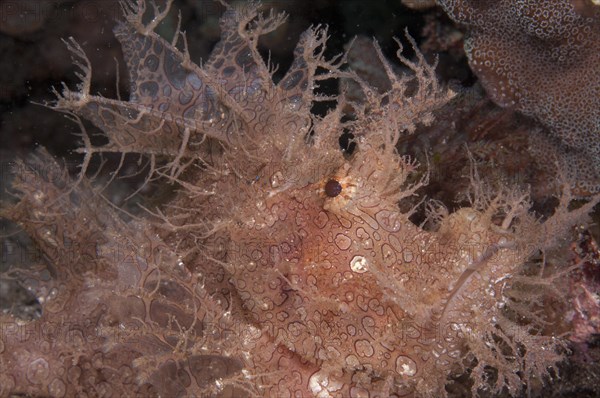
(282,265)
(542,58)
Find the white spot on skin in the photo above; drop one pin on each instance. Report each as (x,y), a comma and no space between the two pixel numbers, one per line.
(322,385)
(405,366)
(359,264)
(277,180)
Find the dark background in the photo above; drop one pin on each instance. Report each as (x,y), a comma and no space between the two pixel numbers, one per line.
(34,59)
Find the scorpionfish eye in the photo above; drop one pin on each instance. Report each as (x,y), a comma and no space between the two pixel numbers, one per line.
(333,188)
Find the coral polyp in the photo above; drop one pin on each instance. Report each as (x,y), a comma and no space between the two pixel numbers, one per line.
(281,266)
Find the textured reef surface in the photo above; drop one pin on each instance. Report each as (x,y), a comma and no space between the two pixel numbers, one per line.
(280,264)
(542,57)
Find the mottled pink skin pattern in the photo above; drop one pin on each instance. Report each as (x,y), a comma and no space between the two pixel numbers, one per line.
(256,278)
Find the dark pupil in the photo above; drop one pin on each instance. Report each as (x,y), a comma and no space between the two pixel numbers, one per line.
(333,188)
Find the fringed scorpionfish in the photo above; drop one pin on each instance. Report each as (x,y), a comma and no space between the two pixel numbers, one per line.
(282,266)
